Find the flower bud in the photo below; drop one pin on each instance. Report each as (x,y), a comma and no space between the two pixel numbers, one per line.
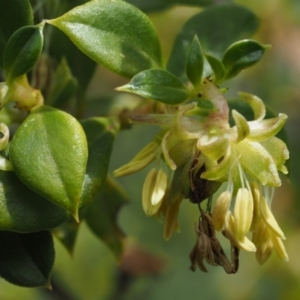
(220,209)
(243,212)
(153,191)
(264,251)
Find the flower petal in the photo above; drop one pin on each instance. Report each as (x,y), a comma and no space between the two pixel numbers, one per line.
(279,152)
(257,161)
(256,104)
(241,124)
(265,129)
(269,219)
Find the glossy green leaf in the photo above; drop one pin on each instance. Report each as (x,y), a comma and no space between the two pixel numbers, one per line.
(217,27)
(158,5)
(26,259)
(158,85)
(195,63)
(101,30)
(217,67)
(100,134)
(23,210)
(66,233)
(22,51)
(13,15)
(241,55)
(64,85)
(101,216)
(49,154)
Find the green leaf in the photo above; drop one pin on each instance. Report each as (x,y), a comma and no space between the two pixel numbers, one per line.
(195,63)
(241,55)
(158,5)
(23,210)
(102,30)
(13,15)
(205,104)
(100,134)
(66,233)
(49,154)
(22,51)
(64,85)
(26,259)
(217,67)
(101,216)
(217,27)
(158,85)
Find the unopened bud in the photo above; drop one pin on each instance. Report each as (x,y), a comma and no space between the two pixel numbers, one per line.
(243,212)
(264,251)
(220,209)
(153,191)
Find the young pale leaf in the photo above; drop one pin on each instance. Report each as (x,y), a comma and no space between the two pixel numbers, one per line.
(22,51)
(101,216)
(217,67)
(49,154)
(217,27)
(26,259)
(64,85)
(13,15)
(242,55)
(158,85)
(195,63)
(23,210)
(100,134)
(113,33)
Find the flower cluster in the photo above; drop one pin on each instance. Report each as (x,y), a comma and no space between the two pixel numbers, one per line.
(201,153)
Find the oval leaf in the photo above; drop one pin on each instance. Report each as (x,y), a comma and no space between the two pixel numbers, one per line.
(26,259)
(100,134)
(22,51)
(242,55)
(102,30)
(195,63)
(217,67)
(101,216)
(158,85)
(13,15)
(64,85)
(23,210)
(49,154)
(217,27)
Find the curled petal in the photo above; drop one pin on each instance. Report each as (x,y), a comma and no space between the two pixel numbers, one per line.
(5,136)
(256,104)
(134,166)
(221,170)
(214,146)
(166,141)
(269,219)
(279,152)
(257,161)
(265,129)
(242,126)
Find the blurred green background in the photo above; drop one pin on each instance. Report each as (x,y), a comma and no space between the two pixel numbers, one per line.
(162,267)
